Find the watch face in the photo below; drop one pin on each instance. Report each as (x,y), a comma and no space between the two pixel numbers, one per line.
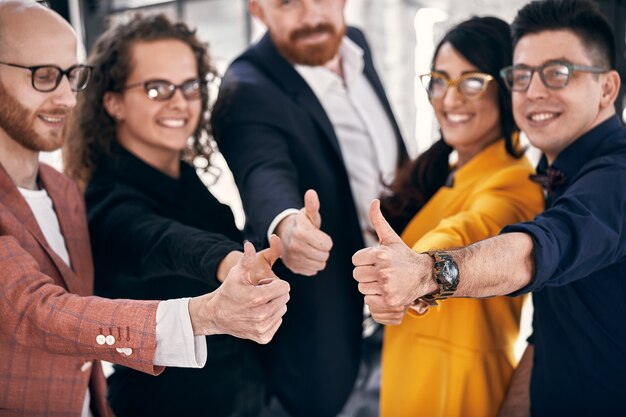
(450,272)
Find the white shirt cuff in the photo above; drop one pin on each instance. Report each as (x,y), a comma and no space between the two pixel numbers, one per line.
(277,219)
(176,344)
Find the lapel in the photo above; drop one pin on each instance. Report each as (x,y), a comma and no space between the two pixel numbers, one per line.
(372,77)
(271,62)
(265,56)
(13,200)
(68,208)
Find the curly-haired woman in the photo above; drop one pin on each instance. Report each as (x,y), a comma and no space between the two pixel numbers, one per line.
(156,231)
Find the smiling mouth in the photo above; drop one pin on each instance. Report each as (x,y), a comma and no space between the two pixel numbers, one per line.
(457,117)
(173,123)
(542,117)
(52,119)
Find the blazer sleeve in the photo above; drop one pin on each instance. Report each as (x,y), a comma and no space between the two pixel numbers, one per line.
(507,197)
(39,314)
(251,133)
(130,231)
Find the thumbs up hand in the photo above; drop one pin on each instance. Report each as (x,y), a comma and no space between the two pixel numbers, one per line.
(306,247)
(391,276)
(264,261)
(242,306)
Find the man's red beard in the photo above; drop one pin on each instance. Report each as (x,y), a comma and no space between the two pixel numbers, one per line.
(17,121)
(311,55)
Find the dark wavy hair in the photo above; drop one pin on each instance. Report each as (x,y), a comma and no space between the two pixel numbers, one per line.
(486,43)
(91,130)
(581,17)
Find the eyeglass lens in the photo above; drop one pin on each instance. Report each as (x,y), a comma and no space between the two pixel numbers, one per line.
(553,76)
(48,78)
(164,90)
(470,87)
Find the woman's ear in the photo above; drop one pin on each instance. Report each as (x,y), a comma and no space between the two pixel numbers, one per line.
(112,103)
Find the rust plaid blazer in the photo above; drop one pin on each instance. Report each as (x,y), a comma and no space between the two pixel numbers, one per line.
(48,320)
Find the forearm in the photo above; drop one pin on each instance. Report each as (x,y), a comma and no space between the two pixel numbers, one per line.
(517,400)
(496,266)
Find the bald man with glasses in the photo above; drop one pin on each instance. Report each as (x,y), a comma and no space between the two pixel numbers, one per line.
(573,255)
(53,333)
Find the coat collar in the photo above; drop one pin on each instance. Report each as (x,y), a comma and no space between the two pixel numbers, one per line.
(265,56)
(67,207)
(133,171)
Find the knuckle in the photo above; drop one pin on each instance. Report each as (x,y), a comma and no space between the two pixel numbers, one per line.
(380,255)
(257,300)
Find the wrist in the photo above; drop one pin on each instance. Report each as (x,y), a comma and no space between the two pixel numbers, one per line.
(227,263)
(285,225)
(443,278)
(202,315)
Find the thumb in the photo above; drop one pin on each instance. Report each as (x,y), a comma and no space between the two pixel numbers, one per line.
(274,251)
(312,207)
(246,263)
(385,233)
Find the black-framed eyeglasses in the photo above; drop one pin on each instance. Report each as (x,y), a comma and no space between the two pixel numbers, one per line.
(553,74)
(162,90)
(471,85)
(46,78)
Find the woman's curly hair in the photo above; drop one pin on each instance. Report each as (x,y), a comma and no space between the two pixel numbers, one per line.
(91,130)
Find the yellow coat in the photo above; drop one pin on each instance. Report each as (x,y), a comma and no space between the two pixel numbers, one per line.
(457,360)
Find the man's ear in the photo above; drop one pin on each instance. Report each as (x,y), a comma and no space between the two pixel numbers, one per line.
(255,9)
(112,103)
(610,88)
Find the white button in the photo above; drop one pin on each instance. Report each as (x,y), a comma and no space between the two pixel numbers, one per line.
(110,339)
(100,339)
(86,366)
(125,351)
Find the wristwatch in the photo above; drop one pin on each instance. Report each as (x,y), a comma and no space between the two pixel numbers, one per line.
(445,274)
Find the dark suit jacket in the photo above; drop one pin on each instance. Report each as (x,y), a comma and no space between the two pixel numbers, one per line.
(279,142)
(157,237)
(48,326)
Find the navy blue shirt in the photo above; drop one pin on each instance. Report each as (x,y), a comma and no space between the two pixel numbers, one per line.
(579,286)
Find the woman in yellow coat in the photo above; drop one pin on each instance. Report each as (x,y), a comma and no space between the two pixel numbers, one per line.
(457,359)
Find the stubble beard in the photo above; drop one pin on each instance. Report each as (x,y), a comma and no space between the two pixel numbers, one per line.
(311,55)
(17,121)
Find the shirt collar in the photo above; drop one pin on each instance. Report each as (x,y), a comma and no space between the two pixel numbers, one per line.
(571,160)
(321,79)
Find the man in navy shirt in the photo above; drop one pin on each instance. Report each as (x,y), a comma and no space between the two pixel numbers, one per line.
(573,255)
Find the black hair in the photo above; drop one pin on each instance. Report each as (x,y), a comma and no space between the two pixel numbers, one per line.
(486,43)
(581,17)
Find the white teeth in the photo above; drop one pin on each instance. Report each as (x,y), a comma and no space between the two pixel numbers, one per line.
(51,119)
(173,123)
(540,117)
(457,118)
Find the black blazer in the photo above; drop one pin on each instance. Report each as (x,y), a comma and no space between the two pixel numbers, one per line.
(279,142)
(156,237)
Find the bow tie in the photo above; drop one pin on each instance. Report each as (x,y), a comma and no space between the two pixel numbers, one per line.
(549,179)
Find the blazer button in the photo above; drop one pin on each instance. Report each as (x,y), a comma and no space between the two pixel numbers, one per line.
(86,366)
(100,339)
(110,340)
(125,351)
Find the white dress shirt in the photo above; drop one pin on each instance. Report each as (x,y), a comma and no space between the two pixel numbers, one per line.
(176,344)
(366,136)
